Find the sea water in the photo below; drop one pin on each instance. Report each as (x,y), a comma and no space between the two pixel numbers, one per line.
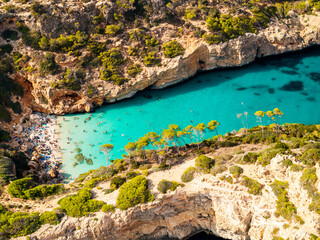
(289,82)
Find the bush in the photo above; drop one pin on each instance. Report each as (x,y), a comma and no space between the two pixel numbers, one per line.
(104,172)
(108,208)
(235,171)
(284,207)
(296,168)
(130,175)
(308,179)
(15,224)
(250,157)
(43,191)
(111,60)
(80,204)
(281,145)
(31,38)
(310,157)
(133,70)
(254,186)
(91,183)
(37,9)
(204,163)
(188,174)
(134,192)
(117,181)
(218,168)
(69,43)
(151,59)
(18,187)
(173,49)
(48,65)
(112,30)
(164,186)
(107,191)
(228,179)
(49,217)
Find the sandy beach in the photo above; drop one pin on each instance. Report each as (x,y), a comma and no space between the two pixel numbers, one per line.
(38,138)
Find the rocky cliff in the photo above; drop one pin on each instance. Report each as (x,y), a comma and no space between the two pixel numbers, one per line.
(207,203)
(282,35)
(290,35)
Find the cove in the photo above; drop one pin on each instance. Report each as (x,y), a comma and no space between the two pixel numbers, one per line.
(290,82)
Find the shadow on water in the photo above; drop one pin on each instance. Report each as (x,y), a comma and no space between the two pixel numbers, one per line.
(215,77)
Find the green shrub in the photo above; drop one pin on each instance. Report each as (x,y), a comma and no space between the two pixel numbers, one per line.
(110,71)
(49,217)
(133,70)
(217,168)
(37,9)
(250,157)
(108,208)
(72,80)
(43,191)
(130,175)
(48,65)
(267,155)
(112,30)
(164,186)
(281,145)
(91,183)
(173,49)
(235,171)
(134,192)
(310,157)
(151,59)
(287,163)
(107,191)
(69,43)
(254,186)
(152,42)
(117,181)
(15,224)
(204,163)
(284,207)
(296,168)
(308,179)
(18,187)
(188,174)
(228,179)
(95,47)
(190,14)
(80,204)
(104,172)
(31,38)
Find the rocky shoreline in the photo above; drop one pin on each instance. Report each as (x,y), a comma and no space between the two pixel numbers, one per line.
(292,34)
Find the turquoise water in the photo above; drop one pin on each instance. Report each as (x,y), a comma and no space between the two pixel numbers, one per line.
(218,95)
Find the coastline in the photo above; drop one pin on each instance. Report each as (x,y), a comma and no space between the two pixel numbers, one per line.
(38,138)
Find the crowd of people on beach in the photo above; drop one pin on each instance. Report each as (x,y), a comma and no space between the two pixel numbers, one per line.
(40,135)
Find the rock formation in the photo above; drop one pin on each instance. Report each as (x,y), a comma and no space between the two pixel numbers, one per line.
(205,204)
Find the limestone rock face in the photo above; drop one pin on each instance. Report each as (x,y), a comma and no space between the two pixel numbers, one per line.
(207,203)
(290,35)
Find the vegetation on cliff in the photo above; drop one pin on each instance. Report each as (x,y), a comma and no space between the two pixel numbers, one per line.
(134,192)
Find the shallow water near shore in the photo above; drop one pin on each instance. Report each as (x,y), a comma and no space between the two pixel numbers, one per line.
(290,82)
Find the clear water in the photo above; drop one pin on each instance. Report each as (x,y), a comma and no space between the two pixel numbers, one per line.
(218,95)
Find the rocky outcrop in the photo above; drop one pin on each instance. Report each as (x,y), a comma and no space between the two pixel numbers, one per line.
(205,204)
(292,34)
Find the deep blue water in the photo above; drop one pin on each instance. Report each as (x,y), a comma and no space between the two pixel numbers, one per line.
(290,82)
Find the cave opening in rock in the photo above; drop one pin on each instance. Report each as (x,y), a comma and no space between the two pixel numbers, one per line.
(205,236)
